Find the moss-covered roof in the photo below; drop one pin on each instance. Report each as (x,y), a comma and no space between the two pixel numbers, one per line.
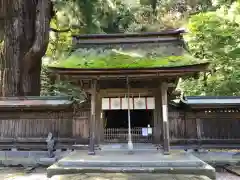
(112,58)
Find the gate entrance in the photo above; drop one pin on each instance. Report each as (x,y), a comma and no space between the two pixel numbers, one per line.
(116,126)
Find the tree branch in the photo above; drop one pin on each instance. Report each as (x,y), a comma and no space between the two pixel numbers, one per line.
(60,31)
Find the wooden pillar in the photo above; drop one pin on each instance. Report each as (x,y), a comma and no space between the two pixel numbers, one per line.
(92,118)
(101,119)
(157,127)
(166,141)
(98,126)
(101,126)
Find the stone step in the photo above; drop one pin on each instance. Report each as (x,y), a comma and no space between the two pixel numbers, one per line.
(138,162)
(206,171)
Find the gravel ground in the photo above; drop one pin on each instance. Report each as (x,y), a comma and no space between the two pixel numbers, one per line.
(40,174)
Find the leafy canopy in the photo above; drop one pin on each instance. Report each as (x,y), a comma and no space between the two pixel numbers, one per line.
(215,36)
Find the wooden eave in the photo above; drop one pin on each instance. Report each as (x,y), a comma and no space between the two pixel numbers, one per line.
(210,102)
(131,72)
(172,32)
(207,106)
(213,106)
(142,40)
(40,108)
(35,103)
(166,36)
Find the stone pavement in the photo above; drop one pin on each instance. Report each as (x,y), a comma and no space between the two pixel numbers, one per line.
(234,170)
(39,174)
(219,158)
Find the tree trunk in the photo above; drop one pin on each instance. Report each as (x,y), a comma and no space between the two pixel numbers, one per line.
(11,51)
(154,6)
(26,38)
(1,72)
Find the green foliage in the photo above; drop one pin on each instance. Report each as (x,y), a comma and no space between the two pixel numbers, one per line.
(60,88)
(214,36)
(114,18)
(93,58)
(46,87)
(67,88)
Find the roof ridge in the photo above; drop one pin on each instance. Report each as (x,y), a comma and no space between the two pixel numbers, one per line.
(212,97)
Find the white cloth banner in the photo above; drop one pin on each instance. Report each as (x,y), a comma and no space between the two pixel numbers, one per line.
(150,103)
(122,103)
(105,103)
(139,103)
(125,103)
(115,103)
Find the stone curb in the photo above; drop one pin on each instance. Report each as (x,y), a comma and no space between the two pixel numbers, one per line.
(29,158)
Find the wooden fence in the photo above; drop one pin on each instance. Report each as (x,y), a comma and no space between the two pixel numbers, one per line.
(35,124)
(80,126)
(29,129)
(218,126)
(184,126)
(120,135)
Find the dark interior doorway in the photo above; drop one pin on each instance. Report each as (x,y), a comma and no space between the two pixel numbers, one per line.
(119,118)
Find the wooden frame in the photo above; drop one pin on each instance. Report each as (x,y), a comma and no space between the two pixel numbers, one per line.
(160,133)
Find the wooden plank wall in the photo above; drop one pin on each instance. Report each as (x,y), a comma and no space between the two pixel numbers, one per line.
(223,125)
(176,125)
(183,125)
(80,124)
(35,124)
(220,125)
(190,125)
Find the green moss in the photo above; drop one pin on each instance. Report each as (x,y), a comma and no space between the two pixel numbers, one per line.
(118,59)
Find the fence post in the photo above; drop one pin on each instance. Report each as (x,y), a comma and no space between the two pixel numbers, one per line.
(199,133)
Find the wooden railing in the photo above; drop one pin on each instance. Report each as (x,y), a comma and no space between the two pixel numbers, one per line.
(119,135)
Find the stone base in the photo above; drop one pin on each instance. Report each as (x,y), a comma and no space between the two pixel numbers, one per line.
(139,162)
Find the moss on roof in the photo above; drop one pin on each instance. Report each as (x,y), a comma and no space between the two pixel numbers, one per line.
(95,58)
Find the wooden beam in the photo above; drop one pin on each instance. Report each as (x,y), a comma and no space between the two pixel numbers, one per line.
(122,92)
(169,75)
(92,122)
(166,139)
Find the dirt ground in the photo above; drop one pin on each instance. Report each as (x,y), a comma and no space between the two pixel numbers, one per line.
(40,174)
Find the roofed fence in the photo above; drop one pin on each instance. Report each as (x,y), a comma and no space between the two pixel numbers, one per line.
(207,120)
(26,122)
